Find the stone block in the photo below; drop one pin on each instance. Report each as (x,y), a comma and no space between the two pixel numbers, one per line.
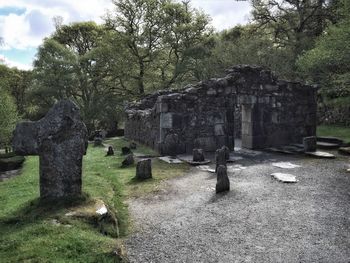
(219,130)
(310,144)
(166,120)
(144,169)
(223,182)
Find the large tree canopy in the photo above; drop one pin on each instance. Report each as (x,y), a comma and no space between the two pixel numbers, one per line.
(69,65)
(161,41)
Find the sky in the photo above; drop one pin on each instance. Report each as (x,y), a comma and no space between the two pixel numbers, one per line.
(25,23)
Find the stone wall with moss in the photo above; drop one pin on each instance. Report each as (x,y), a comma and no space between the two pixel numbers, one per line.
(250,101)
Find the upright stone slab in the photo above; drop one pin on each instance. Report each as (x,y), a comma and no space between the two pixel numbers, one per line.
(223,183)
(227,152)
(144,169)
(198,155)
(60,139)
(220,158)
(310,144)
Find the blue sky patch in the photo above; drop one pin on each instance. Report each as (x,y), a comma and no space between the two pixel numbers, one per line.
(24,56)
(4,11)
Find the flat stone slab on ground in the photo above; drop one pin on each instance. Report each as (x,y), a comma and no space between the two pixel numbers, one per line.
(286,165)
(344,150)
(234,159)
(197,163)
(206,168)
(235,168)
(284,178)
(319,154)
(247,152)
(169,159)
(327,145)
(279,150)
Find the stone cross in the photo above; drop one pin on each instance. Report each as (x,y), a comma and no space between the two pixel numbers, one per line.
(60,139)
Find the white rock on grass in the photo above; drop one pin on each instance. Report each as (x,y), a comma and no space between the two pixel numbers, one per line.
(285,178)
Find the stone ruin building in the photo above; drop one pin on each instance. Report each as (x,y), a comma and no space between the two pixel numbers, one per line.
(249,103)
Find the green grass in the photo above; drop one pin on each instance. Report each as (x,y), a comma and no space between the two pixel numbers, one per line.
(27,231)
(334,131)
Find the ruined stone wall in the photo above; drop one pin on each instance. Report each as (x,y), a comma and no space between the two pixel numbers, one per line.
(249,101)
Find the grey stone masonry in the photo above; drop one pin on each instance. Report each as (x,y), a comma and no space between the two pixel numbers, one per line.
(249,102)
(60,139)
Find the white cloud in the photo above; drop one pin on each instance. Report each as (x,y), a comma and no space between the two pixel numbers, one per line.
(224,13)
(14,64)
(27,30)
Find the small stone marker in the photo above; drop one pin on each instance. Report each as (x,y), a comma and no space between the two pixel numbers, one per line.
(198,155)
(286,165)
(223,183)
(126,151)
(319,154)
(310,143)
(284,178)
(133,146)
(60,139)
(144,169)
(110,151)
(98,141)
(129,160)
(227,152)
(220,158)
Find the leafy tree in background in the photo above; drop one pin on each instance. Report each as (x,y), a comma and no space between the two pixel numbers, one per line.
(161,41)
(328,63)
(70,65)
(16,82)
(293,25)
(242,45)
(8,117)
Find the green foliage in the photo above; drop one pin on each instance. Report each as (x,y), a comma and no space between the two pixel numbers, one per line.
(161,41)
(16,82)
(70,64)
(242,45)
(328,63)
(8,117)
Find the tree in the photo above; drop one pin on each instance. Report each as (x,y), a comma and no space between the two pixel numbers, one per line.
(243,45)
(328,63)
(69,64)
(8,117)
(160,40)
(17,83)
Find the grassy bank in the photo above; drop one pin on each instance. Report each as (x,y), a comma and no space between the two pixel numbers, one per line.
(31,231)
(334,131)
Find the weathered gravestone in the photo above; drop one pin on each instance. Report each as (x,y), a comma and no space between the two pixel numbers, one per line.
(227,152)
(144,169)
(126,151)
(110,151)
(223,183)
(220,158)
(60,139)
(198,155)
(129,160)
(310,144)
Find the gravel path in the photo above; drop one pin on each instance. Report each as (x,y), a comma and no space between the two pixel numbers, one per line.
(259,220)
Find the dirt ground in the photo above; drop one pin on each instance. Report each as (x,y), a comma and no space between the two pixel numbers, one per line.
(259,220)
